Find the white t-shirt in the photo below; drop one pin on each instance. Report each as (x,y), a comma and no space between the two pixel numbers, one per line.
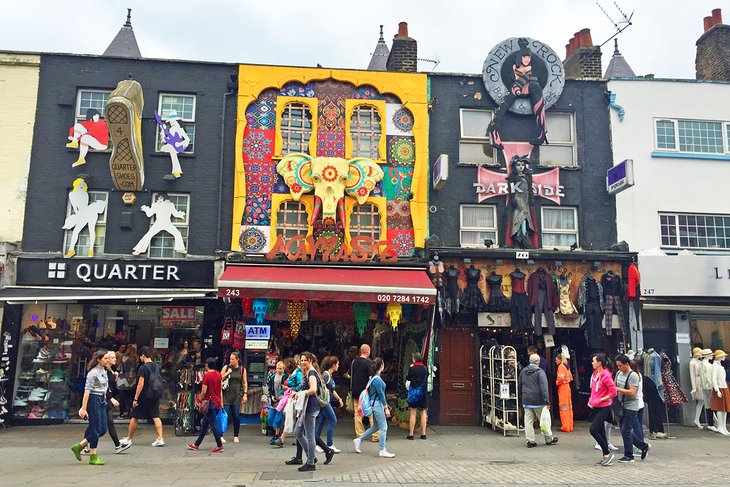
(640,392)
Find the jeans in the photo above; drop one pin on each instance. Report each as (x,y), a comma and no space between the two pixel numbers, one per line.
(327,414)
(630,437)
(209,421)
(304,432)
(380,424)
(96,408)
(598,430)
(532,414)
(639,424)
(234,411)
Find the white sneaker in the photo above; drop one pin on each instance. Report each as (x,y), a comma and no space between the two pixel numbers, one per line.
(125,441)
(319,449)
(335,449)
(223,440)
(597,447)
(357,442)
(612,448)
(86,450)
(385,454)
(122,447)
(158,442)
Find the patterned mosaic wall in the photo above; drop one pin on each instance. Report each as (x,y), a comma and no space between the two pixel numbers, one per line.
(259,166)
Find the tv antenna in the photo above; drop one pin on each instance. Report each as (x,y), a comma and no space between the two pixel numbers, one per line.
(622,24)
(436,60)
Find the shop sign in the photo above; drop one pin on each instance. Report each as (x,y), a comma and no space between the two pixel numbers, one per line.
(256,344)
(307,248)
(177,313)
(161,343)
(620,176)
(546,185)
(685,275)
(115,273)
(258,332)
(440,171)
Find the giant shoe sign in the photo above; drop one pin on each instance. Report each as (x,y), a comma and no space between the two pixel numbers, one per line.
(123,114)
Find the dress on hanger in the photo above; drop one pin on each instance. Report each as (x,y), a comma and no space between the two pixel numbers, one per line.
(452,291)
(473,299)
(590,303)
(497,303)
(566,306)
(520,311)
(612,301)
(673,394)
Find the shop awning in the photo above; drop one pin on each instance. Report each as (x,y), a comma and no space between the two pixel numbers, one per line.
(30,294)
(374,285)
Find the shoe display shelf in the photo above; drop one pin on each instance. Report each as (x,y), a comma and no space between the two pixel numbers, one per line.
(499,390)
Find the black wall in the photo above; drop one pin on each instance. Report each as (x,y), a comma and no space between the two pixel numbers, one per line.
(51,174)
(585,185)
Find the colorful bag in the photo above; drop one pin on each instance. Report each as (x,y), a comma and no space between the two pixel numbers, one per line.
(227,332)
(364,403)
(239,335)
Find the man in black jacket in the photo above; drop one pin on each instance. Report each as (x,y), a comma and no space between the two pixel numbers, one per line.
(534,393)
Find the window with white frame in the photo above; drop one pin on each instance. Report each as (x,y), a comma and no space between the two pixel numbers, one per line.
(296,128)
(692,136)
(365,221)
(366,131)
(561,135)
(477,224)
(84,243)
(88,104)
(292,220)
(474,145)
(559,227)
(686,230)
(163,244)
(184,107)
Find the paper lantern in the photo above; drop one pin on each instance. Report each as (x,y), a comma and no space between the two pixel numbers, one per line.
(273,306)
(295,310)
(362,313)
(394,312)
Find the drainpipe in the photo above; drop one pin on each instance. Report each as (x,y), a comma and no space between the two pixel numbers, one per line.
(231,89)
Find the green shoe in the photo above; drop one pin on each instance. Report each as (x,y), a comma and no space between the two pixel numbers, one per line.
(95,460)
(77,451)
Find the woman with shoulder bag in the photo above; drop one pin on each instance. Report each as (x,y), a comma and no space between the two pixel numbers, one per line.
(381,410)
(417,377)
(211,392)
(330,365)
(603,389)
(235,391)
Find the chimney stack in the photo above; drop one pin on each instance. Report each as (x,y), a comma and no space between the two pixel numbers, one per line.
(712,61)
(404,52)
(582,58)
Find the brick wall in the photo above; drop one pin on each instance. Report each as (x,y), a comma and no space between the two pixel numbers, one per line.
(584,62)
(403,55)
(713,54)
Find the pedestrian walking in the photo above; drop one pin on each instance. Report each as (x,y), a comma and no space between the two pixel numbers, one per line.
(565,399)
(330,365)
(627,385)
(304,430)
(533,386)
(211,392)
(235,393)
(146,401)
(381,410)
(359,375)
(417,378)
(93,407)
(603,389)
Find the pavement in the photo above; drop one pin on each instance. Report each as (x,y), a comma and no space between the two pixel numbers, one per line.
(451,455)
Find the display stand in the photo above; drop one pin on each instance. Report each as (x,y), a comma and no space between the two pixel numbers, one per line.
(498,377)
(189,378)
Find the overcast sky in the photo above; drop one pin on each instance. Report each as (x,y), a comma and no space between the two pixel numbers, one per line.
(343,33)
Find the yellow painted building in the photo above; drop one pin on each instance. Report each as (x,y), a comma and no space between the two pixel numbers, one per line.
(19,75)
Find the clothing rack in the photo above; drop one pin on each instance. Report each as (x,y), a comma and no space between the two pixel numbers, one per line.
(185,412)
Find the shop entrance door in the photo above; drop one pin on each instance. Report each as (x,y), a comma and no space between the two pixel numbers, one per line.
(458,402)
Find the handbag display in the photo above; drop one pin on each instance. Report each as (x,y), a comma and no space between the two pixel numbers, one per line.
(239,335)
(227,332)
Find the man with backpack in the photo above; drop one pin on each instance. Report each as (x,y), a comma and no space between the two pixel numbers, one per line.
(147,396)
(359,375)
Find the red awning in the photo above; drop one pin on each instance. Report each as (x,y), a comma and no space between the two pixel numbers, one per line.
(407,286)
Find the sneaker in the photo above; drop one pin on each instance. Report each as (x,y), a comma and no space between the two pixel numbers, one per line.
(612,448)
(423,437)
(607,460)
(216,449)
(328,457)
(661,435)
(307,468)
(531,444)
(553,441)
(645,451)
(122,447)
(334,449)
(597,447)
(279,443)
(711,428)
(385,454)
(86,450)
(294,461)
(357,442)
(125,441)
(123,115)
(626,460)
(192,446)
(223,440)
(158,442)
(319,449)
(235,439)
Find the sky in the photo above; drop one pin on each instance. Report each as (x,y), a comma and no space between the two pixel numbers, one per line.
(343,33)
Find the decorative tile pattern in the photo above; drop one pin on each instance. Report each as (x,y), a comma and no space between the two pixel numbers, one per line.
(261,113)
(260,178)
(399,215)
(254,239)
(378,189)
(401,242)
(258,210)
(397,183)
(258,144)
(331,143)
(401,151)
(391,98)
(295,88)
(399,120)
(280,186)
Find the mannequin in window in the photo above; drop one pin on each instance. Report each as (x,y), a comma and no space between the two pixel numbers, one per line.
(497,303)
(473,299)
(653,391)
(612,296)
(695,377)
(721,394)
(521,200)
(520,311)
(543,299)
(452,292)
(707,388)
(590,306)
(565,305)
(436,272)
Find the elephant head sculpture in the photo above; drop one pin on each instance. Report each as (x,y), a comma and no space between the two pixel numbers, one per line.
(330,178)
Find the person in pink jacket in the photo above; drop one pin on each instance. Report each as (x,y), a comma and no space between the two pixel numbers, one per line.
(603,389)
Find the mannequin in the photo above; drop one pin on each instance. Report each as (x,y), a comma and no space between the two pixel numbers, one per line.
(653,398)
(543,299)
(590,305)
(695,376)
(497,303)
(612,301)
(707,388)
(452,292)
(520,311)
(473,299)
(721,396)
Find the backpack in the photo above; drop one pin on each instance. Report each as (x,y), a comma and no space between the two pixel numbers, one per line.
(364,403)
(415,395)
(323,393)
(155,386)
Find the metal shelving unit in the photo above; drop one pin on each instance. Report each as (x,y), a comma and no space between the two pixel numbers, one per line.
(499,389)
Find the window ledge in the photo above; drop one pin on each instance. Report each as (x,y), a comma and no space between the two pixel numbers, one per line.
(479,164)
(690,155)
(179,154)
(567,168)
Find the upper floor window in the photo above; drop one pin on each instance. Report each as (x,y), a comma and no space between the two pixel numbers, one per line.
(163,244)
(176,111)
(474,145)
(559,227)
(90,100)
(693,136)
(292,220)
(366,132)
(684,230)
(478,224)
(90,131)
(296,128)
(365,221)
(561,136)
(84,239)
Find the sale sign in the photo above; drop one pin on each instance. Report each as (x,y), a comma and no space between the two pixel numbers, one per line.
(177,313)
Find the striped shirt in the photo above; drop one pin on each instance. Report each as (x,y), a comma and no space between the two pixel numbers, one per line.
(97,381)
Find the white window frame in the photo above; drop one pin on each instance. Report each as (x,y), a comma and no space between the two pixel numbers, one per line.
(559,231)
(372,132)
(468,139)
(725,133)
(561,143)
(678,236)
(480,242)
(81,117)
(186,123)
(180,223)
(100,228)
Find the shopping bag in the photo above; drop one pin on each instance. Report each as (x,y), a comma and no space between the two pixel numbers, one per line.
(289,417)
(546,422)
(221,418)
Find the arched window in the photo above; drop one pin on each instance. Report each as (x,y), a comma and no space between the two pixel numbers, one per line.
(365,130)
(296,128)
(292,220)
(365,221)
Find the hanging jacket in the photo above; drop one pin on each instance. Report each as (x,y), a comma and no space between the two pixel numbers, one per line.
(543,280)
